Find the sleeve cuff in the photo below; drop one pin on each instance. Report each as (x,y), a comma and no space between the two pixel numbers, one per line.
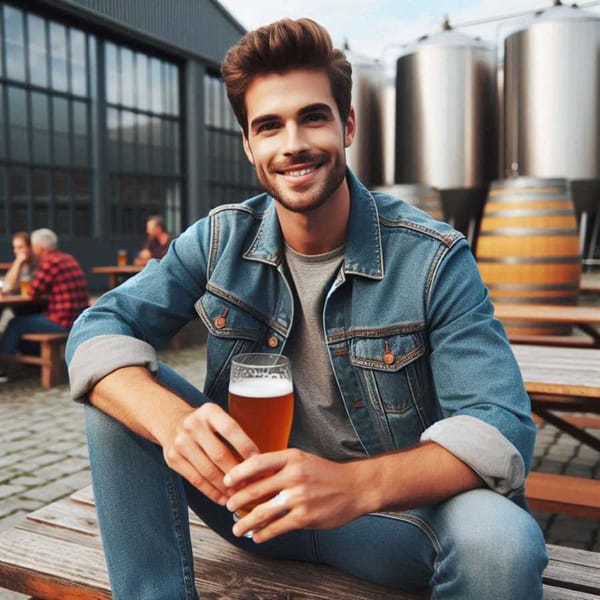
(101,355)
(483,448)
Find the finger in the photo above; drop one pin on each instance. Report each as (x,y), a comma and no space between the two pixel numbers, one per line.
(267,517)
(254,491)
(218,452)
(231,431)
(256,467)
(205,466)
(187,470)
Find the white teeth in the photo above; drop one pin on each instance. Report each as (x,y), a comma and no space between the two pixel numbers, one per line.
(301,172)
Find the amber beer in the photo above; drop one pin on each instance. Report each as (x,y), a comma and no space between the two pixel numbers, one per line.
(261,400)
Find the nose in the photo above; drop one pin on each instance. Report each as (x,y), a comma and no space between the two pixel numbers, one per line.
(295,139)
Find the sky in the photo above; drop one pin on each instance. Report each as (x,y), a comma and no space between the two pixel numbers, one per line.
(379,28)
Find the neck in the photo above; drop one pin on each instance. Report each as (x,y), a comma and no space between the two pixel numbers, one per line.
(162,237)
(319,230)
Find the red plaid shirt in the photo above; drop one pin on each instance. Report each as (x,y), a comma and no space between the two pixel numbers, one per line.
(61,279)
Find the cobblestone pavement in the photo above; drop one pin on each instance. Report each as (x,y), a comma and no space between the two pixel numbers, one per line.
(43,455)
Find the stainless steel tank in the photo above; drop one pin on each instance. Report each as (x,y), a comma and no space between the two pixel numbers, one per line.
(446,133)
(552,106)
(552,96)
(366,154)
(445,112)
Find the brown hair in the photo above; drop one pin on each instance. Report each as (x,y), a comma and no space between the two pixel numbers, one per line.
(280,47)
(24,236)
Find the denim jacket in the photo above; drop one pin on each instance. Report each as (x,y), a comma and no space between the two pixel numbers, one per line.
(413,343)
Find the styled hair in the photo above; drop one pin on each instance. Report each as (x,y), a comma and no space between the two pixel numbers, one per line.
(46,238)
(157,220)
(280,47)
(23,236)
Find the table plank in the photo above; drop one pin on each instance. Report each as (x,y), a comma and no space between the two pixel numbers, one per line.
(564,371)
(554,313)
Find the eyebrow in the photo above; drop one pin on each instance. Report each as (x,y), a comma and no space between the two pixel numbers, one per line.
(258,121)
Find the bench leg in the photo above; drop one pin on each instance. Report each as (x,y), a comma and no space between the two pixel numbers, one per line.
(51,364)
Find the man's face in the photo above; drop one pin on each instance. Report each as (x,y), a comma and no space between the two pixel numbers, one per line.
(296,139)
(20,247)
(152,229)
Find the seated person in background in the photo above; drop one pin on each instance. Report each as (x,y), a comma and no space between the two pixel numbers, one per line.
(157,242)
(61,280)
(24,265)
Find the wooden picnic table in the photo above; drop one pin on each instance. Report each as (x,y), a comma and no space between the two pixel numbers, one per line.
(586,318)
(17,300)
(56,553)
(5,266)
(566,379)
(590,283)
(117,273)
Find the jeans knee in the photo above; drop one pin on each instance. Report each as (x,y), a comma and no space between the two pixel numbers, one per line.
(492,549)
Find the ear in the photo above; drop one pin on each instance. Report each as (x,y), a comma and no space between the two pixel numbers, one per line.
(247,150)
(350,128)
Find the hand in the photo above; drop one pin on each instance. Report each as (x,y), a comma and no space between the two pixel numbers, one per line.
(21,258)
(202,445)
(305,491)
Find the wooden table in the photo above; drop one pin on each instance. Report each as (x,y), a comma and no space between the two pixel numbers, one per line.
(56,553)
(590,284)
(5,266)
(586,318)
(116,273)
(16,300)
(565,379)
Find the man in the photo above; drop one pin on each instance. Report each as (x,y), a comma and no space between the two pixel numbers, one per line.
(407,396)
(60,280)
(157,240)
(24,265)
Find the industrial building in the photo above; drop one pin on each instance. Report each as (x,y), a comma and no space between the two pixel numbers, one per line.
(111,111)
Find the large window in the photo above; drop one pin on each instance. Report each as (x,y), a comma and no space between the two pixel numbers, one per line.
(45,164)
(144,132)
(231,177)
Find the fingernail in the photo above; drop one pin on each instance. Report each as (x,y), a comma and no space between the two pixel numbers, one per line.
(223,500)
(227,479)
(236,531)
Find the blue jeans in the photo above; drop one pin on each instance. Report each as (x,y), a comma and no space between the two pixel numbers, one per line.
(473,546)
(34,323)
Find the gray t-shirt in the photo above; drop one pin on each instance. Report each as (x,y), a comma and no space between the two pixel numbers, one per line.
(321,425)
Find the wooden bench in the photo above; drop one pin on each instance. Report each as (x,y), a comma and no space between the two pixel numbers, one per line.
(563,494)
(569,341)
(51,357)
(56,553)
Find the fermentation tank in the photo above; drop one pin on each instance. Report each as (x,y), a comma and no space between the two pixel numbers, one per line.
(365,155)
(446,134)
(552,104)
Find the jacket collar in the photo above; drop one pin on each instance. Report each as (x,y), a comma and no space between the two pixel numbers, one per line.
(363,253)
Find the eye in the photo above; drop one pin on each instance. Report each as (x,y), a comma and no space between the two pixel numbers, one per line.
(315,117)
(267,126)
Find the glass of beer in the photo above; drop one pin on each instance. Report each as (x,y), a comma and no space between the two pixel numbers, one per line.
(122,258)
(261,400)
(25,284)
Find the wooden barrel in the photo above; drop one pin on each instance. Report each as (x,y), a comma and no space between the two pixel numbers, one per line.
(528,247)
(419,195)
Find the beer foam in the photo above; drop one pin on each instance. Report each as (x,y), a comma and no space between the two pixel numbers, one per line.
(261,388)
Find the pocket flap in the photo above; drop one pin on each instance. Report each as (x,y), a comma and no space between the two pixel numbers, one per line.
(224,319)
(386,353)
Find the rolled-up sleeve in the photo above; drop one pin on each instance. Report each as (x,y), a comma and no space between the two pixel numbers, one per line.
(486,411)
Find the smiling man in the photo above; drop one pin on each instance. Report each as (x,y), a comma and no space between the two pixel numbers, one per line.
(407,395)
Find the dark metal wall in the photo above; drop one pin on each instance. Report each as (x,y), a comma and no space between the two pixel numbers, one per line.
(199,27)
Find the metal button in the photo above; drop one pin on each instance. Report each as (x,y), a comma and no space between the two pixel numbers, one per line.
(389,357)
(273,342)
(220,322)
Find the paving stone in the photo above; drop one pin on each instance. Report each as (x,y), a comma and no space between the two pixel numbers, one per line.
(7,490)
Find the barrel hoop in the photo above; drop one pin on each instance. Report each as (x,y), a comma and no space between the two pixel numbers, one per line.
(515,198)
(530,212)
(571,299)
(529,260)
(514,231)
(525,287)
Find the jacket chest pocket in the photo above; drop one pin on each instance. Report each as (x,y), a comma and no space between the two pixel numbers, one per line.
(231,331)
(385,367)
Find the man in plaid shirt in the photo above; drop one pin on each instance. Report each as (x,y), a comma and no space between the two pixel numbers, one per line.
(60,280)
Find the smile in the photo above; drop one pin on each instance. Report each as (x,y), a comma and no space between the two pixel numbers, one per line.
(301,172)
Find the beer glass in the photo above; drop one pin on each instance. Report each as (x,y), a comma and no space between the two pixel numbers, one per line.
(261,400)
(24,285)
(122,258)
